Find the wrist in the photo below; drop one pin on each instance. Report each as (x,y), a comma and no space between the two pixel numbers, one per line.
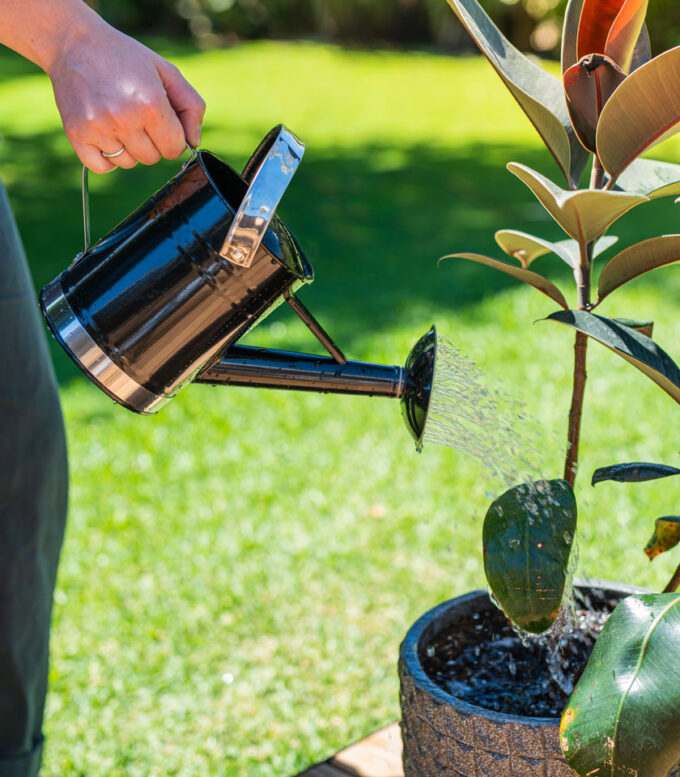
(72,25)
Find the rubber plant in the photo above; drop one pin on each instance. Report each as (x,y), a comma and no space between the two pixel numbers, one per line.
(613,102)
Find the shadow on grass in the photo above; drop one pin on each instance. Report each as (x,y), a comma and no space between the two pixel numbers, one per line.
(372,222)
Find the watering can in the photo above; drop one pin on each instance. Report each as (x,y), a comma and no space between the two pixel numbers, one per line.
(164,298)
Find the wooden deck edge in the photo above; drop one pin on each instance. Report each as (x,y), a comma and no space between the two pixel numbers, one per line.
(378,755)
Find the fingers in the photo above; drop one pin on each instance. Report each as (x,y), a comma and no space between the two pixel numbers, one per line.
(186,102)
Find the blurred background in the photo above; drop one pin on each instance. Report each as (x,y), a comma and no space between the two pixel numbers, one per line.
(240,569)
(532,25)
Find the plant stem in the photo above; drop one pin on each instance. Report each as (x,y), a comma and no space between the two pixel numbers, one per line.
(576,409)
(596,174)
(582,275)
(673,583)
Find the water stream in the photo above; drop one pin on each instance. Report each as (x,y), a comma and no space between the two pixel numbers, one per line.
(497,431)
(483,423)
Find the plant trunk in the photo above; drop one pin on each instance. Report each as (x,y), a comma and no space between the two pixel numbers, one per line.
(673,583)
(582,275)
(576,409)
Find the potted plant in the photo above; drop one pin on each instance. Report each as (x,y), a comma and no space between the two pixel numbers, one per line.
(613,102)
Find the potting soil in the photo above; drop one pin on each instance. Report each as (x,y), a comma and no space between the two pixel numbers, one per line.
(483,661)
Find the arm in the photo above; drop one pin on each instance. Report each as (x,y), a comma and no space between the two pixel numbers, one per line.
(111,91)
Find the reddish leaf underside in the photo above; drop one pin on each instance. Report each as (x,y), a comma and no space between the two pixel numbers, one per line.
(625,31)
(597,18)
(588,85)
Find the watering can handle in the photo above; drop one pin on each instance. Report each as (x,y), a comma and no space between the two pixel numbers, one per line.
(85,192)
(268,173)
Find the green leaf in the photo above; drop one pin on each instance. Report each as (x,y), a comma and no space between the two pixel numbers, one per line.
(641,351)
(624,715)
(651,178)
(643,111)
(584,215)
(633,472)
(572,17)
(528,534)
(522,274)
(666,536)
(539,94)
(643,50)
(637,260)
(644,327)
(526,247)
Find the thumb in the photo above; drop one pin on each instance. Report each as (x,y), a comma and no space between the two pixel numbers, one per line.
(184,99)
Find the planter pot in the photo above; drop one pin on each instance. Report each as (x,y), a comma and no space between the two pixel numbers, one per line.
(447,737)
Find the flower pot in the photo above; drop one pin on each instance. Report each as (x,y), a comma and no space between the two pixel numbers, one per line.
(445,736)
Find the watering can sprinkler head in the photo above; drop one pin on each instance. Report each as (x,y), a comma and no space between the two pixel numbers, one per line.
(420,371)
(164,298)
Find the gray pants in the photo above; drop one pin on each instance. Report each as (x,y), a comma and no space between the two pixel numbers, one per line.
(33,495)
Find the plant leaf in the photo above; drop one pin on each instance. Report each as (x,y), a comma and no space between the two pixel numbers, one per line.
(572,16)
(643,111)
(633,472)
(584,215)
(526,247)
(644,327)
(651,178)
(624,714)
(601,245)
(522,274)
(588,85)
(595,21)
(643,50)
(641,351)
(625,31)
(569,57)
(539,94)
(610,27)
(528,534)
(637,260)
(666,536)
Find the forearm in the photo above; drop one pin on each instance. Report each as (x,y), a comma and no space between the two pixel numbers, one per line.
(38,29)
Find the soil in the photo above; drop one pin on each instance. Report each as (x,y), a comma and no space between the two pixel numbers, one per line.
(481,660)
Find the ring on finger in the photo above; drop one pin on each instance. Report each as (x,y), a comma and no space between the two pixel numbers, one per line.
(113,154)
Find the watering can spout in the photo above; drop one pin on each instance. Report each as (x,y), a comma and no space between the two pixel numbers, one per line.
(268,368)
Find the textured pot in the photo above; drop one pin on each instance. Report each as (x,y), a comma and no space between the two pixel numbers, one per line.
(447,737)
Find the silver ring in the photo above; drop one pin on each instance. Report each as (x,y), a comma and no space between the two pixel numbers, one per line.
(113,154)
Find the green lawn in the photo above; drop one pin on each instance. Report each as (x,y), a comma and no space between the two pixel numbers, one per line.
(239,570)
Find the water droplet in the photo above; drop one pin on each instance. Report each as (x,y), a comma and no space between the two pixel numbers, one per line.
(514,543)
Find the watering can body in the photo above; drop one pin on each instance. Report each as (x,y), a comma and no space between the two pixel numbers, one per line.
(154,302)
(163,299)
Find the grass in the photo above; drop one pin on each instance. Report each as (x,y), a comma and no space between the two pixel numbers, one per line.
(239,570)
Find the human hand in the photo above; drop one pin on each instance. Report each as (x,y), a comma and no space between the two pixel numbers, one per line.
(113,92)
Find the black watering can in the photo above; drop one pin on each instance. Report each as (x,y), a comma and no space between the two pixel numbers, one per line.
(164,298)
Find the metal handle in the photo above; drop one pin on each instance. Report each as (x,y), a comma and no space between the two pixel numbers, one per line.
(280,153)
(85,192)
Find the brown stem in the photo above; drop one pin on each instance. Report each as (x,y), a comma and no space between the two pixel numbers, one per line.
(576,409)
(582,275)
(596,174)
(673,583)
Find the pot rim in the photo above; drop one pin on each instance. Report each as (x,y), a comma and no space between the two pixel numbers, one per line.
(409,652)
